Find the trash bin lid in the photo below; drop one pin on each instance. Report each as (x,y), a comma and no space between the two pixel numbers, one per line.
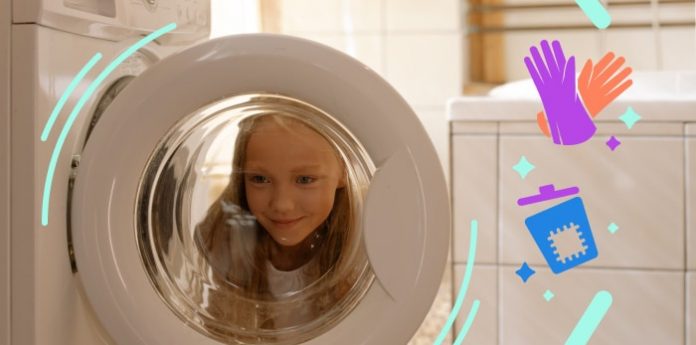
(547,192)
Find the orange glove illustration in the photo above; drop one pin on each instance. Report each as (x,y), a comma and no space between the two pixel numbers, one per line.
(598,86)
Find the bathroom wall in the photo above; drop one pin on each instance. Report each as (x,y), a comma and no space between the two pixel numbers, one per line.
(641,186)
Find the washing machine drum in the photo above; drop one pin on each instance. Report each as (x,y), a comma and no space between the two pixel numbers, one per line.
(260,189)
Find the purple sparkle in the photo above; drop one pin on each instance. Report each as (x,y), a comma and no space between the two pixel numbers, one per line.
(613,143)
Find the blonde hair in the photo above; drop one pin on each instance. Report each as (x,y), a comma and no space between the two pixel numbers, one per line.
(237,252)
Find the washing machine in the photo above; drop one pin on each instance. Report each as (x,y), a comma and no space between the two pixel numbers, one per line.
(107,209)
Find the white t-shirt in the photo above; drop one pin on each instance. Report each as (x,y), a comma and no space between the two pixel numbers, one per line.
(283,283)
(286,283)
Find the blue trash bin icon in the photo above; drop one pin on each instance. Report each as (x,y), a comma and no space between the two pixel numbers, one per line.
(561,232)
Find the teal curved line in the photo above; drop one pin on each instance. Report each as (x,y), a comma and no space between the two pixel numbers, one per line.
(465,284)
(468,323)
(64,98)
(81,103)
(592,317)
(596,12)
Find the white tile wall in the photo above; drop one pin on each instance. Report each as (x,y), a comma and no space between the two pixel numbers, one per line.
(365,47)
(638,46)
(334,16)
(475,194)
(423,15)
(415,45)
(425,68)
(583,44)
(639,187)
(483,286)
(647,308)
(653,296)
(678,48)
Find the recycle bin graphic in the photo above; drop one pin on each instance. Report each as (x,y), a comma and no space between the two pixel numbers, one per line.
(562,232)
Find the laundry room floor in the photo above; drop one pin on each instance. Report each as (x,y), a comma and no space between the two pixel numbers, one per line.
(437,316)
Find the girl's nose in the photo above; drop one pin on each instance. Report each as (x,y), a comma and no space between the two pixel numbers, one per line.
(282,199)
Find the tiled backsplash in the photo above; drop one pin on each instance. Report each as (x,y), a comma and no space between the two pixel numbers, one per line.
(648,306)
(483,150)
(639,186)
(646,186)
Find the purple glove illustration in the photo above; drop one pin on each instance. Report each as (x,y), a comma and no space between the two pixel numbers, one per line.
(569,121)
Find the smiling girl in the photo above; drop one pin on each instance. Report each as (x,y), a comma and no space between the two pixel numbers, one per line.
(281,240)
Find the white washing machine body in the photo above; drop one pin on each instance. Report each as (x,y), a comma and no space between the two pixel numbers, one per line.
(51,41)
(111,299)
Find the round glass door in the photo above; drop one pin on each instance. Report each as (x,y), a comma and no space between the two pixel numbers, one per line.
(226,196)
(248,220)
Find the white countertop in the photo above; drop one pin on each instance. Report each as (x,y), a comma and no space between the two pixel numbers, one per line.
(655,96)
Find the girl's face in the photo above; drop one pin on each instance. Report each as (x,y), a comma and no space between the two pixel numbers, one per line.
(291,175)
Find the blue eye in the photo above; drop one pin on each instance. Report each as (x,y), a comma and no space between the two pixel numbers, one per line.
(258,179)
(305,179)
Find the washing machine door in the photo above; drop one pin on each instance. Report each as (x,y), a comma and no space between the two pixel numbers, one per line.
(260,189)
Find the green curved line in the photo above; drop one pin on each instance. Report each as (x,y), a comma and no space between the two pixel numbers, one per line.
(468,323)
(81,103)
(64,98)
(465,284)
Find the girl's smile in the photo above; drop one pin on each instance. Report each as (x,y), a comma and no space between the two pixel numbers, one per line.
(291,175)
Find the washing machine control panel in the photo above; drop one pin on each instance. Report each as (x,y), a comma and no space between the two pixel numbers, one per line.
(118,19)
(189,15)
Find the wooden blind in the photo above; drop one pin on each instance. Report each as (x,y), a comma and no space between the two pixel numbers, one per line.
(489,22)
